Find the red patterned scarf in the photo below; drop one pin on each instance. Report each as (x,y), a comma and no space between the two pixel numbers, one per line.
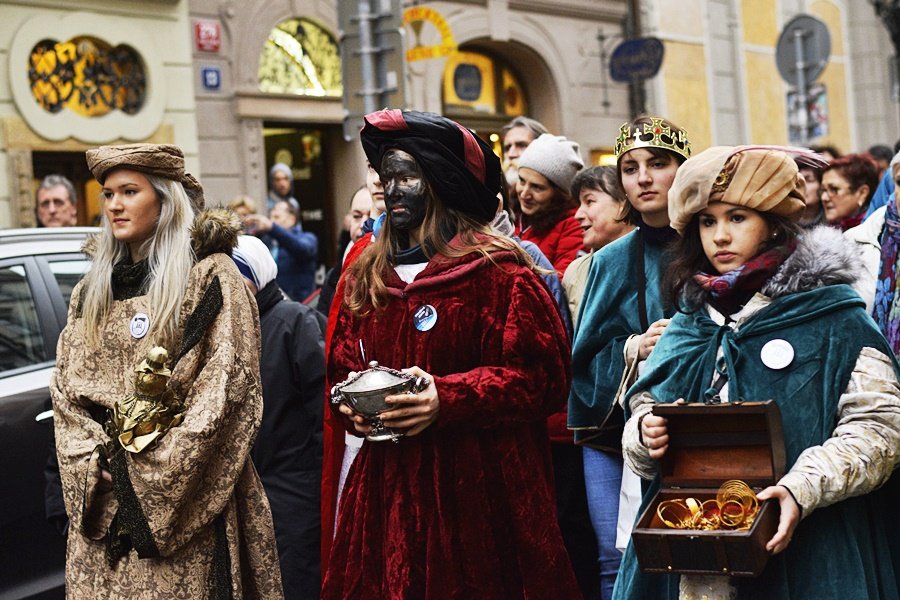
(729,291)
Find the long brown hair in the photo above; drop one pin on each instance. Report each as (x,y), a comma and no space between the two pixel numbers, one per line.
(688,259)
(366,289)
(556,210)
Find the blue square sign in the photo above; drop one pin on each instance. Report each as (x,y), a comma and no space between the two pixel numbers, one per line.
(211,77)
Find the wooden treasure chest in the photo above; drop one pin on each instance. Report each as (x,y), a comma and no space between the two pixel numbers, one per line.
(709,445)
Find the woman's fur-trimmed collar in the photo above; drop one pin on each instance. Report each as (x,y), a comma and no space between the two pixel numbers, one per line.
(823,257)
(214,230)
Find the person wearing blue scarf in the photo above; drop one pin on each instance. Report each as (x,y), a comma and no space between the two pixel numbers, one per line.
(766,312)
(878,239)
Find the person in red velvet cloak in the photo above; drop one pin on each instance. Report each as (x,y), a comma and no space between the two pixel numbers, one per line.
(462,506)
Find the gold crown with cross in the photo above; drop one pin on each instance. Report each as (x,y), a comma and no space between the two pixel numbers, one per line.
(655,134)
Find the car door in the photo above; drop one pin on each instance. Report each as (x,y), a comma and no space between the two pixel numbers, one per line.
(34,292)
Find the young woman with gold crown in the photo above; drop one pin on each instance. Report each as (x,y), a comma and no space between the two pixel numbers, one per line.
(622,317)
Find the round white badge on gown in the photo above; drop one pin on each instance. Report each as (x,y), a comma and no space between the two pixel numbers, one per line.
(777,354)
(140,325)
(425,317)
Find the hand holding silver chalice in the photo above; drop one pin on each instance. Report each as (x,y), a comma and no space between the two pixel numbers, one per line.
(366,394)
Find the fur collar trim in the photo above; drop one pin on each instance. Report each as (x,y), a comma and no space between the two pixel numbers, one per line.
(214,230)
(823,257)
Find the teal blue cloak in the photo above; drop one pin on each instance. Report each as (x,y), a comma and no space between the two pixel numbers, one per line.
(845,551)
(608,316)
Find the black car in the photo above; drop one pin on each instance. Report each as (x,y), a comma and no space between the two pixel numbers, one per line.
(38,269)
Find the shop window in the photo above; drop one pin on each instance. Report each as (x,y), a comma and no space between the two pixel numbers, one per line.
(301,58)
(86,76)
(476,83)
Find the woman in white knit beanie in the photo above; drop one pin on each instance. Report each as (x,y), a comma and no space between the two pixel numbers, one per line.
(545,212)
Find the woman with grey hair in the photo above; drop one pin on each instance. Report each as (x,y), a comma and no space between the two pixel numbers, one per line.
(600,201)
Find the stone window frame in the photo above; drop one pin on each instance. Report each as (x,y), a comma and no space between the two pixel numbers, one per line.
(67,124)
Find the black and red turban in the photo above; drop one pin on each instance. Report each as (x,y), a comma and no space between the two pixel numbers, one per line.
(460,167)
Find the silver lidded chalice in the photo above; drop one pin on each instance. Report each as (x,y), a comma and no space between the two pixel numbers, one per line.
(364,392)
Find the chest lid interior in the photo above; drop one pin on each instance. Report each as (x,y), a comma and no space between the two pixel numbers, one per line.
(710,444)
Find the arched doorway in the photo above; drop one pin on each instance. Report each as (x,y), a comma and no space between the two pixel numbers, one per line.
(486,83)
(300,57)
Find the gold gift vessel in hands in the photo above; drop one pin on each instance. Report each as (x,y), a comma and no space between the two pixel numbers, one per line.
(141,418)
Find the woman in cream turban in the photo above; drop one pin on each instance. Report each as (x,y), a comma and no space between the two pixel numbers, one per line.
(742,277)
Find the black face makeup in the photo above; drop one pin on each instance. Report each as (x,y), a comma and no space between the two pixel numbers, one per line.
(404,190)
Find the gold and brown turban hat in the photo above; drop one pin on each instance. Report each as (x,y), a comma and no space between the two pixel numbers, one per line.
(162,160)
(764,178)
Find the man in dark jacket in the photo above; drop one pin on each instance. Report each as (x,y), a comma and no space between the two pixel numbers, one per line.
(288,450)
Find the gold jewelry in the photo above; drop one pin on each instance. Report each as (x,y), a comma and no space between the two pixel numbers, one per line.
(693,505)
(721,183)
(734,508)
(732,513)
(652,135)
(674,513)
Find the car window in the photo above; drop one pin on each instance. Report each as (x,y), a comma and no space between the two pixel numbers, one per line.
(21,342)
(68,273)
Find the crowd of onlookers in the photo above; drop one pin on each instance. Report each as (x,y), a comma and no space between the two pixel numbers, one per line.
(561,212)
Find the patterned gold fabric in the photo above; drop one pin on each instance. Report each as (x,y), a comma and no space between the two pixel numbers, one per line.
(162,160)
(196,477)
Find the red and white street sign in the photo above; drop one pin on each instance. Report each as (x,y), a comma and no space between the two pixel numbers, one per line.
(207,36)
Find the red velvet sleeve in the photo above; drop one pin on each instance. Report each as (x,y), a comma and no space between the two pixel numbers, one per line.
(343,351)
(529,379)
(333,425)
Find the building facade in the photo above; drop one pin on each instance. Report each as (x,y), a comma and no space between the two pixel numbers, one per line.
(242,85)
(537,57)
(720,80)
(108,72)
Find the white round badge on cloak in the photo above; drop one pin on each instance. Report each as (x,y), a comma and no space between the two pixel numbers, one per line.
(777,354)
(425,317)
(140,325)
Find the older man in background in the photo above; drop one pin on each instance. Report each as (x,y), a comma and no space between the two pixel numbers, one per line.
(56,203)
(515,136)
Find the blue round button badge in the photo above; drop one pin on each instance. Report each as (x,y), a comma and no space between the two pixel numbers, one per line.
(425,317)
